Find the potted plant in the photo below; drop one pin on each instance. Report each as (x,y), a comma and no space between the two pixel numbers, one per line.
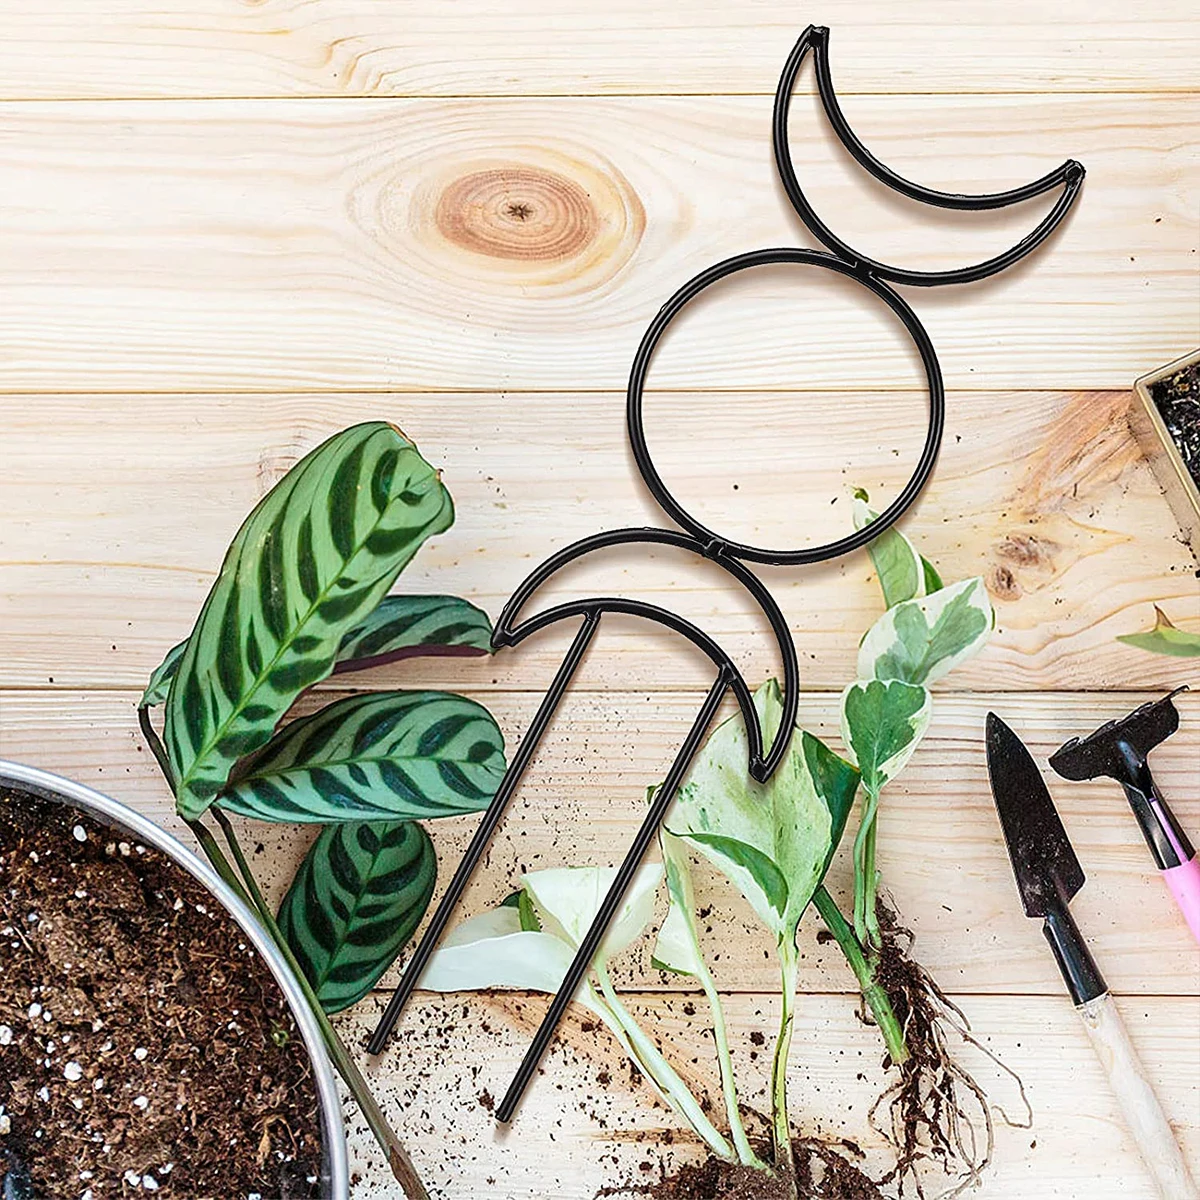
(128,1059)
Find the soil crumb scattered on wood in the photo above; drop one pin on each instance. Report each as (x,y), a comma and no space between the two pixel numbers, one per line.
(1178,400)
(144,1047)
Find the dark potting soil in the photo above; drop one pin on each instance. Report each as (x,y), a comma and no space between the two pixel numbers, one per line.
(823,1172)
(144,1047)
(1178,400)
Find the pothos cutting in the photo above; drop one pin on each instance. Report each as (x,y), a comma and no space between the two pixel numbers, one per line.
(774,842)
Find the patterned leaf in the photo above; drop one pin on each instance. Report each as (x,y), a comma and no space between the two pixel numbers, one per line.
(400,627)
(377,757)
(356,900)
(404,626)
(309,563)
(773,841)
(160,678)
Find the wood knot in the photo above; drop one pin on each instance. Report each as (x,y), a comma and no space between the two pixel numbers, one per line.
(526,214)
(1002,583)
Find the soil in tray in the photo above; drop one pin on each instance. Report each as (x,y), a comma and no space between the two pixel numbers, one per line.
(1178,400)
(144,1047)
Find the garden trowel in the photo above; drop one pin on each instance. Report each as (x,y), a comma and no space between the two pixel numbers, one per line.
(1048,876)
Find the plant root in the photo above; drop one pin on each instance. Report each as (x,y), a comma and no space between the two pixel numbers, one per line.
(935,1110)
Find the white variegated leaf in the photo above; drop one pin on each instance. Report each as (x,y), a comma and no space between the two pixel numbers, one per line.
(882,723)
(919,640)
(568,898)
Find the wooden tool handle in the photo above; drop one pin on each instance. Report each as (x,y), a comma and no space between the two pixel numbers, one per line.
(1139,1105)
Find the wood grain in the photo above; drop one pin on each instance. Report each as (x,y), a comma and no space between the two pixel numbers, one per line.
(118,511)
(161,48)
(941,849)
(280,245)
(576,1134)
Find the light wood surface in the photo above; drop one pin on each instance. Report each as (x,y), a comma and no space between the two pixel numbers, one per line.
(161,48)
(525,243)
(228,229)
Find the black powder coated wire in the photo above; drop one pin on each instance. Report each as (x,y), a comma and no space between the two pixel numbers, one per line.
(730,555)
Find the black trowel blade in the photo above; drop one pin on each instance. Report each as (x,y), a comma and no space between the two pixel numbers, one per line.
(1048,873)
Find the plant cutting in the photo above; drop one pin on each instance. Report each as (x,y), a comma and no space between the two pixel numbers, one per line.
(302,594)
(1165,638)
(774,842)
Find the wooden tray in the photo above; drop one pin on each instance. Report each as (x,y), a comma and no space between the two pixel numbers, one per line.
(1162,453)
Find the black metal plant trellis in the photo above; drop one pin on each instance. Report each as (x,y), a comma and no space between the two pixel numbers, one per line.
(732,556)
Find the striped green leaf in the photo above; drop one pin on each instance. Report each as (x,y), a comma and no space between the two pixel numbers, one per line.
(399,627)
(160,678)
(406,626)
(376,757)
(307,566)
(355,901)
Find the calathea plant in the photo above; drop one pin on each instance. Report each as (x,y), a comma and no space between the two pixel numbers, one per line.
(301,594)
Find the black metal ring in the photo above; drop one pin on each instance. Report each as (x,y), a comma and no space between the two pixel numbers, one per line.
(775,257)
(816,38)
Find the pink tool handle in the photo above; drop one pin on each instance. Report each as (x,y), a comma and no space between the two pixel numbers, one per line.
(1184,882)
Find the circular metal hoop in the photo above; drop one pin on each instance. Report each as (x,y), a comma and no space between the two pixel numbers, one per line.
(641,366)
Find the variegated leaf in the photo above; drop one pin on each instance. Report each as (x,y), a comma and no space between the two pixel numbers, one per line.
(898,566)
(919,640)
(881,726)
(355,901)
(307,566)
(381,756)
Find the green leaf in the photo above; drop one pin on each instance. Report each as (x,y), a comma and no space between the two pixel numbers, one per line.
(308,565)
(406,626)
(933,581)
(772,840)
(836,782)
(379,756)
(160,678)
(399,627)
(355,901)
(919,640)
(1165,638)
(881,726)
(896,561)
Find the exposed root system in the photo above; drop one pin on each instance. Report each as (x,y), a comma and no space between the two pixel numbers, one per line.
(932,1113)
(934,1110)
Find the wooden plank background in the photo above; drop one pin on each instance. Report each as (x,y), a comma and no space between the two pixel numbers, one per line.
(229,229)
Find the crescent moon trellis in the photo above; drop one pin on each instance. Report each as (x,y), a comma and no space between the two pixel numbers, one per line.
(732,556)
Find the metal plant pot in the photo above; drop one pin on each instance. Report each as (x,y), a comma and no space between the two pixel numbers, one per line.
(335,1183)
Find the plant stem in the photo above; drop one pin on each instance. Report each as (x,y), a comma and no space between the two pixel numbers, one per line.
(864,971)
(866,922)
(781,1128)
(664,1075)
(398,1158)
(728,1084)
